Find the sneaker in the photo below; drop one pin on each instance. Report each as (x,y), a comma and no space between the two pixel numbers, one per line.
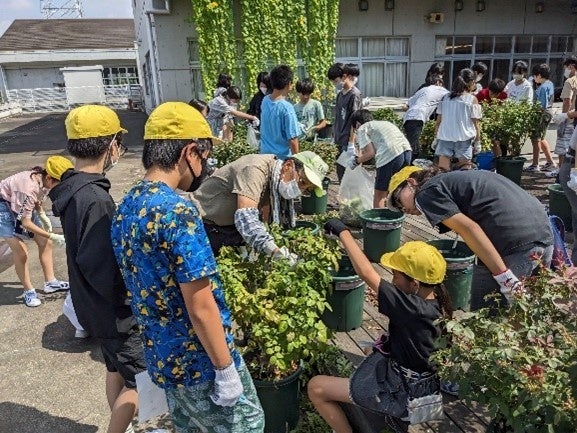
(532,168)
(550,166)
(553,173)
(450,388)
(55,286)
(129,429)
(81,333)
(31,298)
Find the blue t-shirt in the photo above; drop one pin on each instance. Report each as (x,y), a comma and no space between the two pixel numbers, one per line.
(278,124)
(544,94)
(159,241)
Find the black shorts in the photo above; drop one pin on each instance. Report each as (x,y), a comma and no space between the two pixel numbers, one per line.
(385,172)
(124,356)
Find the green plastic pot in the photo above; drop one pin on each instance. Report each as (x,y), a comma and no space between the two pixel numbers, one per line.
(346,299)
(381,232)
(459,277)
(559,205)
(511,167)
(280,402)
(307,225)
(313,205)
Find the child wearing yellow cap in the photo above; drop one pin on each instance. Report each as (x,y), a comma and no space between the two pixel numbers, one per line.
(22,217)
(398,370)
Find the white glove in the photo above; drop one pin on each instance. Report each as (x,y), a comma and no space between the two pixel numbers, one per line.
(572,183)
(560,117)
(476,147)
(351,147)
(283,253)
(227,386)
(365,102)
(510,285)
(57,239)
(353,162)
(46,223)
(255,123)
(434,144)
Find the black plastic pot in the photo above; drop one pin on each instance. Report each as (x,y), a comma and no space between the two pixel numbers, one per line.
(511,167)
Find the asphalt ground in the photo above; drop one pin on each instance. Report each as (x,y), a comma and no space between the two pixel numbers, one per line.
(50,381)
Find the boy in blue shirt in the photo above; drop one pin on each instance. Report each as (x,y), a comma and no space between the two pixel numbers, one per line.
(279,127)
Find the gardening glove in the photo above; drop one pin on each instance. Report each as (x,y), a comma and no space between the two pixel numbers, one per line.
(57,239)
(510,285)
(255,123)
(572,183)
(476,147)
(227,386)
(283,253)
(335,227)
(434,144)
(560,117)
(353,162)
(351,147)
(46,223)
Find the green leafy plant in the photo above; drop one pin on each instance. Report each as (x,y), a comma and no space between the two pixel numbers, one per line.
(389,115)
(326,149)
(511,123)
(277,306)
(427,137)
(225,153)
(521,362)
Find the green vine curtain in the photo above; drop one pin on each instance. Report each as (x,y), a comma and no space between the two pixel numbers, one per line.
(271,33)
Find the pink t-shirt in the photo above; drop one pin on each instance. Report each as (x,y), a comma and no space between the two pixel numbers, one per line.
(22,191)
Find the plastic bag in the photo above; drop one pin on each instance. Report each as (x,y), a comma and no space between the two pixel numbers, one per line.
(355,195)
(6,260)
(252,137)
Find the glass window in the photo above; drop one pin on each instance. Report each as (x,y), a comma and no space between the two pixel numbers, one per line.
(457,67)
(501,69)
(559,44)
(484,45)
(372,79)
(523,44)
(397,47)
(502,44)
(373,47)
(395,84)
(463,45)
(347,48)
(540,44)
(444,46)
(193,51)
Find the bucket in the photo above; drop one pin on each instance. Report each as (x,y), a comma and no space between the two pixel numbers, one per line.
(459,277)
(280,402)
(307,225)
(486,161)
(510,167)
(381,232)
(559,205)
(346,300)
(313,205)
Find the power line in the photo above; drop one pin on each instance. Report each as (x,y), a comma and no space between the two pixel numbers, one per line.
(53,9)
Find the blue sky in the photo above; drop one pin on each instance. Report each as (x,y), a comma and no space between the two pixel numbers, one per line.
(30,9)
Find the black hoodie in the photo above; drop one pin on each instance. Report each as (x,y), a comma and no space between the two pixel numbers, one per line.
(99,295)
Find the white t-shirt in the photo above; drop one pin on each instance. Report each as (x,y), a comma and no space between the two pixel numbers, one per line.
(519,92)
(423,103)
(388,140)
(457,116)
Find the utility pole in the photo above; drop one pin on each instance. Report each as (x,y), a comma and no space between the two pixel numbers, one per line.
(53,9)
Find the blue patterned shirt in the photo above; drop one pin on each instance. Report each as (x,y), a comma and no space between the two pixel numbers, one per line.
(159,241)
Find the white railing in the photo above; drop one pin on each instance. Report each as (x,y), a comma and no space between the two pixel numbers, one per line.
(121,96)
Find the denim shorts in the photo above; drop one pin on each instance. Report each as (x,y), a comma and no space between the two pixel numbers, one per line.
(385,172)
(193,411)
(455,149)
(8,222)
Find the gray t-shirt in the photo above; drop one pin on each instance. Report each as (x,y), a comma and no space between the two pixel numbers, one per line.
(345,105)
(248,176)
(511,218)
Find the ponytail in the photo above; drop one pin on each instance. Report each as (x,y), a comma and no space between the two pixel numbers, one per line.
(462,82)
(444,300)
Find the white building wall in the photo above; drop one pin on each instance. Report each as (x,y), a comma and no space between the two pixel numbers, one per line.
(33,78)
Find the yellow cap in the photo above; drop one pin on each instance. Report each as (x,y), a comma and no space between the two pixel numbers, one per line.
(90,121)
(418,260)
(176,121)
(398,178)
(56,165)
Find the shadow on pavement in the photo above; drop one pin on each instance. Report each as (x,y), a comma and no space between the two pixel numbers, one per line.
(10,295)
(38,421)
(59,337)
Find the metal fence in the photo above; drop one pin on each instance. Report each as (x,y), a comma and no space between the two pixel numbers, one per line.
(124,96)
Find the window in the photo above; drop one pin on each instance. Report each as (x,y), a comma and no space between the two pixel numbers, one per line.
(112,76)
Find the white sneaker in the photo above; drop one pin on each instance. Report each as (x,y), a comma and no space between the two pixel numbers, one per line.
(31,298)
(55,286)
(81,333)
(553,173)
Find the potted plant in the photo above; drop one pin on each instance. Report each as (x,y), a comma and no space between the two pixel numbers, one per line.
(521,362)
(279,308)
(389,115)
(226,153)
(510,123)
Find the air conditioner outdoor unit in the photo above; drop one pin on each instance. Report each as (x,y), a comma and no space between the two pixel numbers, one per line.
(436,17)
(159,7)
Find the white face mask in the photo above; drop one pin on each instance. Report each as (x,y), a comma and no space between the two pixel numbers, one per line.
(289,190)
(566,73)
(479,78)
(339,86)
(263,90)
(517,77)
(355,80)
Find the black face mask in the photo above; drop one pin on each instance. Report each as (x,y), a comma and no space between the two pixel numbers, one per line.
(205,172)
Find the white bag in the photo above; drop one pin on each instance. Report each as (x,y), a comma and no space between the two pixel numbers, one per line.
(70,313)
(355,195)
(6,260)
(253,137)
